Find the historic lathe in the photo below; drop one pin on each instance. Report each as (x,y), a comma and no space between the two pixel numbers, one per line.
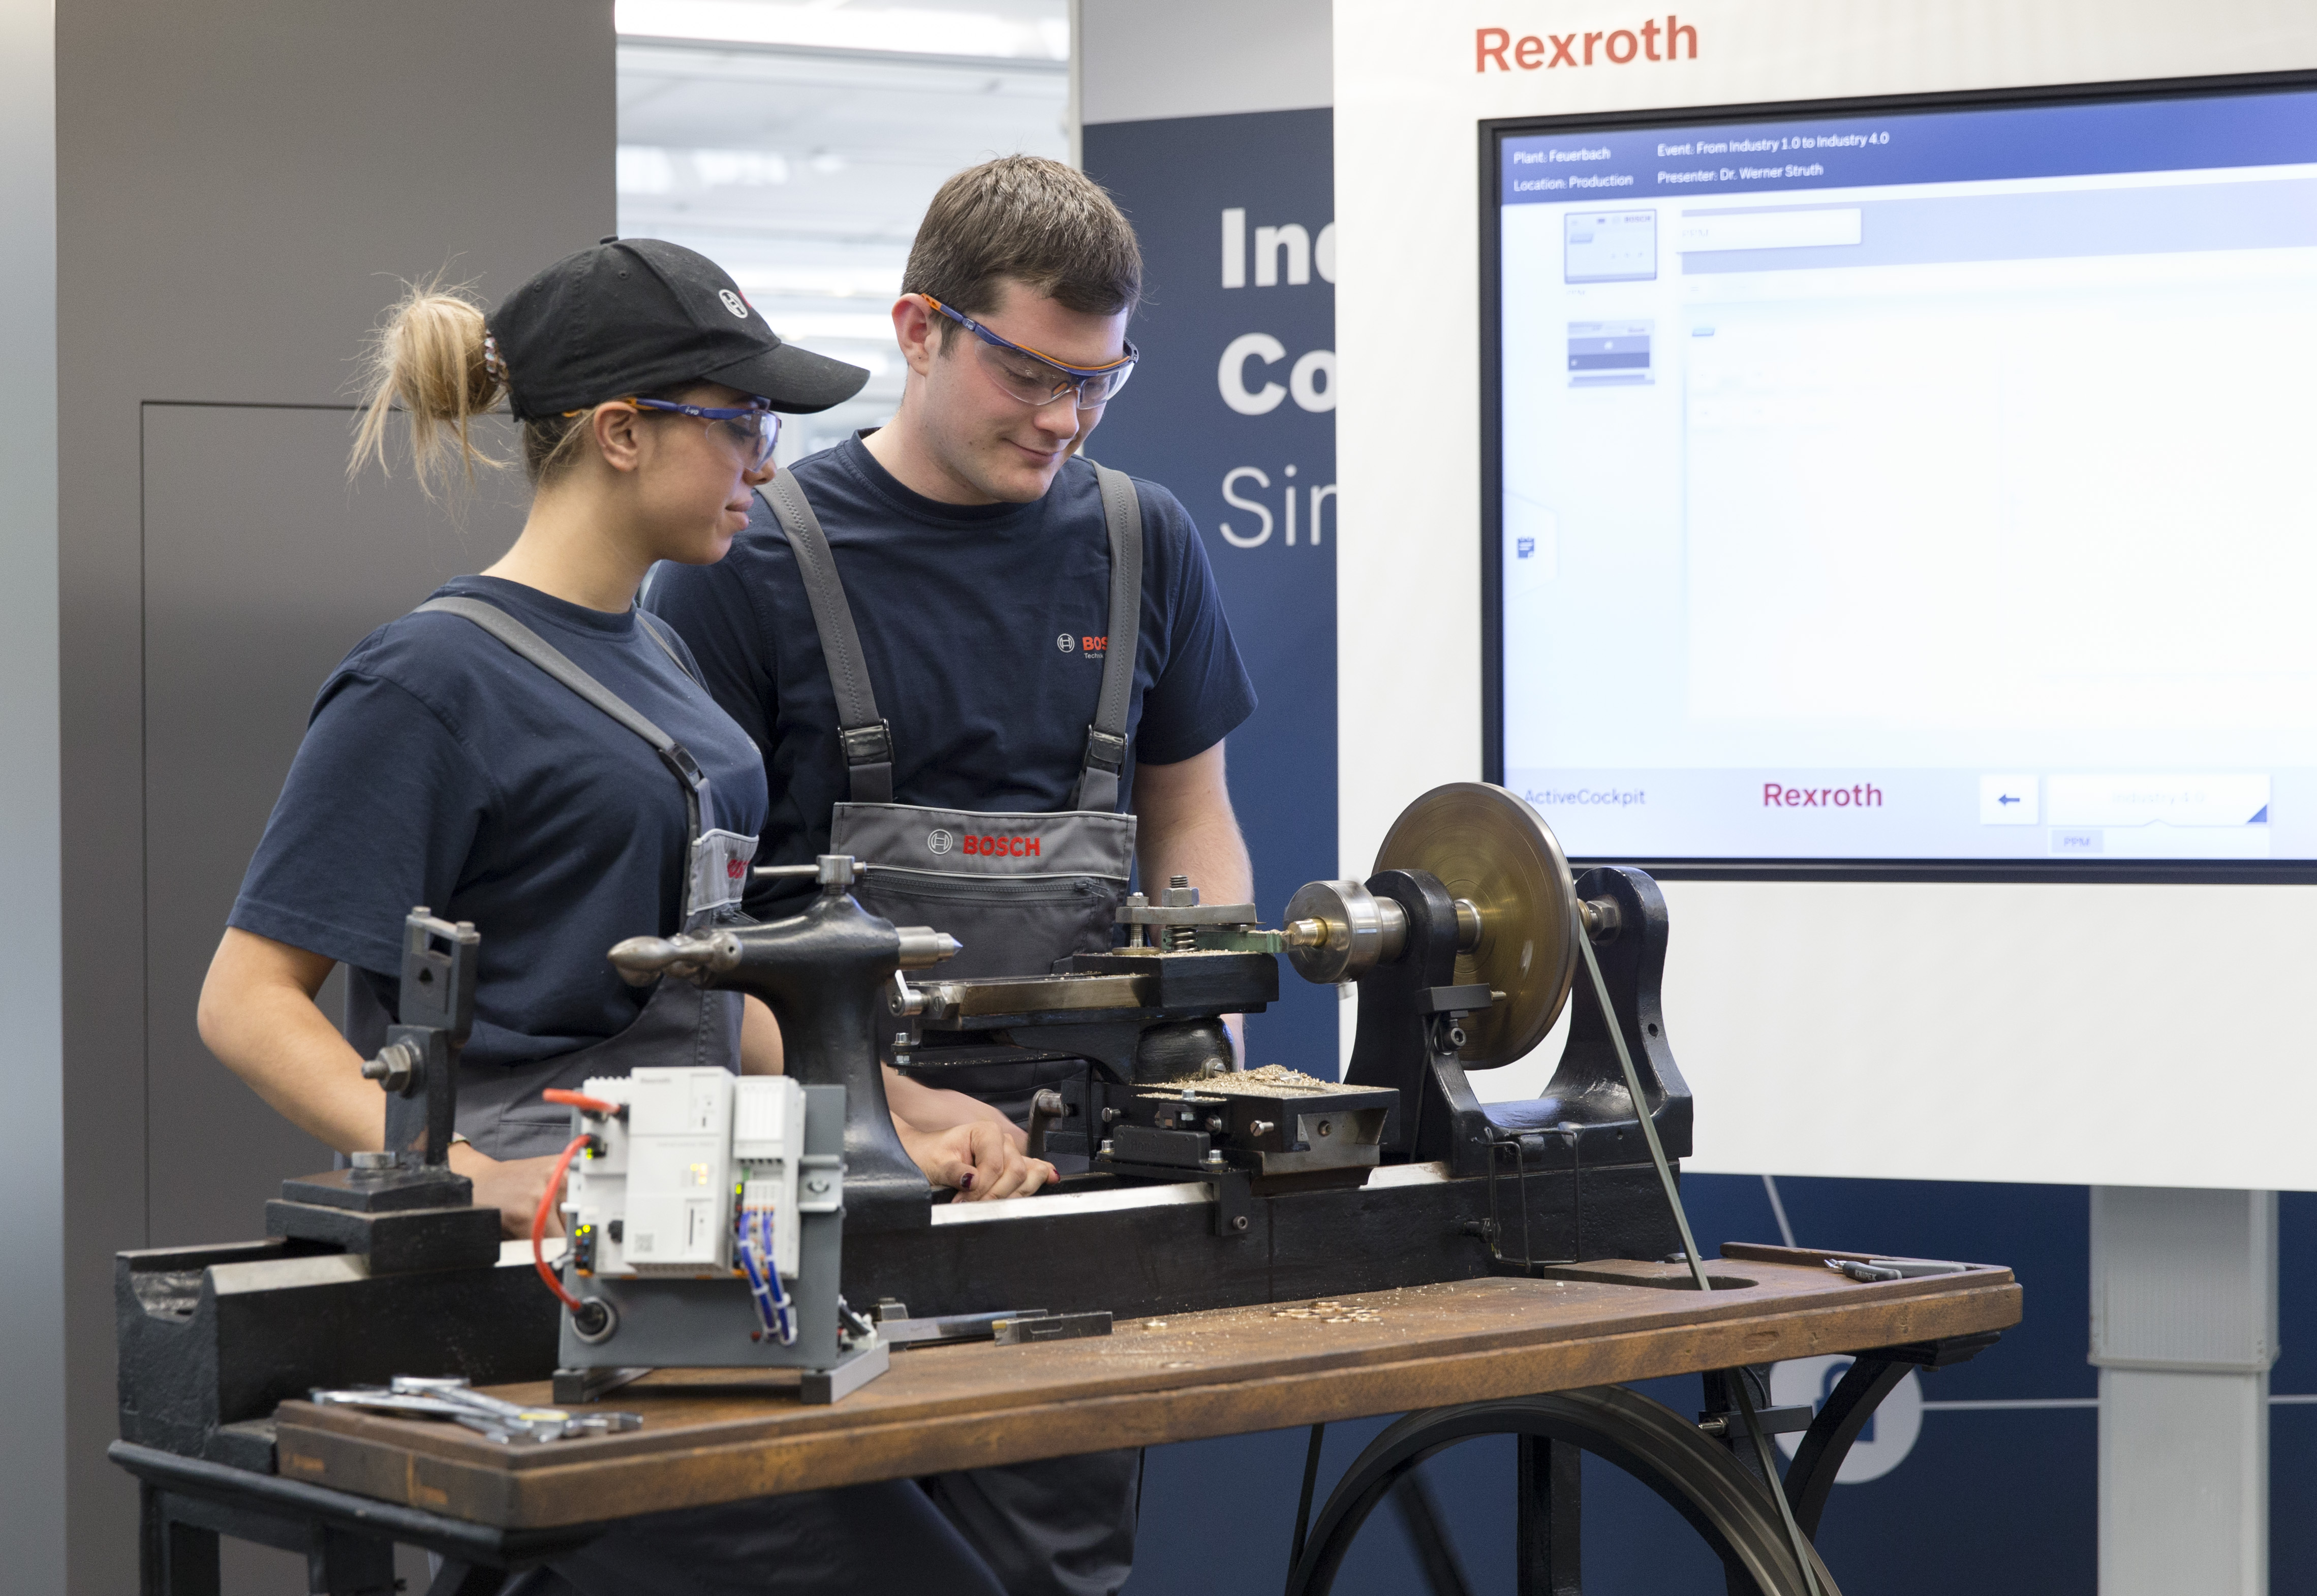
(1187,1184)
(774,1222)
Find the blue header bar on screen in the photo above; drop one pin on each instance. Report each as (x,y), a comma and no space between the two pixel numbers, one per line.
(2178,134)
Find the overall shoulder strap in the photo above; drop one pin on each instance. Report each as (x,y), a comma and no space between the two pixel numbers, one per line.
(867,740)
(651,629)
(553,660)
(1105,749)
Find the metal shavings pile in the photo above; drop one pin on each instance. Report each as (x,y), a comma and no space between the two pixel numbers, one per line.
(1270,1080)
(1329,1312)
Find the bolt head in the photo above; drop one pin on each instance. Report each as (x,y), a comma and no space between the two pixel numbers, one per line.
(1238,1222)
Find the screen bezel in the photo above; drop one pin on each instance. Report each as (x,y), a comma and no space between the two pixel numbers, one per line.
(1493,134)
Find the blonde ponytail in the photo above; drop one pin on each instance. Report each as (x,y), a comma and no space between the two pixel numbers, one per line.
(429,360)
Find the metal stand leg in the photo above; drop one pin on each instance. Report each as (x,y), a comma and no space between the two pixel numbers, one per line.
(1657,1446)
(1809,1478)
(1419,1514)
(1551,1502)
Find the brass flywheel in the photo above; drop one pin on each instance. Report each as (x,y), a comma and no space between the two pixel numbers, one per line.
(1489,848)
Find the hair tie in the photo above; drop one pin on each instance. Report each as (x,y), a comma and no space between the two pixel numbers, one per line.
(492,364)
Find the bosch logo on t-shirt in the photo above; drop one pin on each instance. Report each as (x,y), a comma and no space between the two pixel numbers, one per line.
(1002,847)
(1094,645)
(1066,642)
(940,841)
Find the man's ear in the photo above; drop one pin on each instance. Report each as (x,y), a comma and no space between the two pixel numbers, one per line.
(619,437)
(918,332)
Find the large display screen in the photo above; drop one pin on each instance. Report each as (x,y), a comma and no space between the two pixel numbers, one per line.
(1935,483)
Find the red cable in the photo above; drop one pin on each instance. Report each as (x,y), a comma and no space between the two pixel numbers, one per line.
(580,1101)
(538,1220)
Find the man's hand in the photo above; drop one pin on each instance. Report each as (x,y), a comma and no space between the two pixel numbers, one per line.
(977,1159)
(514,1187)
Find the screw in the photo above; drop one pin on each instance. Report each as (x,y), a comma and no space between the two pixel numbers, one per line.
(1238,1222)
(1259,1127)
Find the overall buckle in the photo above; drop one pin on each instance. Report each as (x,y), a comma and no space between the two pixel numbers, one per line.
(1105,751)
(868,744)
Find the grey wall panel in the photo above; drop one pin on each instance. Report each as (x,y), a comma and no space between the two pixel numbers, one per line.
(263,565)
(240,184)
(32,1059)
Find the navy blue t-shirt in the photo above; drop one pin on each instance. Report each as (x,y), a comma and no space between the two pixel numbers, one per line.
(442,768)
(975,623)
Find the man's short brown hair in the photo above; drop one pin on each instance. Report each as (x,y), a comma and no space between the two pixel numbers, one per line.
(1036,221)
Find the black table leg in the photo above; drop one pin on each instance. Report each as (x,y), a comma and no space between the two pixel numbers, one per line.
(1550,1505)
(455,1578)
(344,1565)
(175,1558)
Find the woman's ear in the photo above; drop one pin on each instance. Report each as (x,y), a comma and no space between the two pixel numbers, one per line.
(618,437)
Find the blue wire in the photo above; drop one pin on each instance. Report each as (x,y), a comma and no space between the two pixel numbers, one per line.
(780,1303)
(775,1310)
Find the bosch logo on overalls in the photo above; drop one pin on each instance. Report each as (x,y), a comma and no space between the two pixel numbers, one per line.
(1002,847)
(941,842)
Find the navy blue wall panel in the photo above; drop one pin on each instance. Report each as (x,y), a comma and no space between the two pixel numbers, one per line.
(1253,483)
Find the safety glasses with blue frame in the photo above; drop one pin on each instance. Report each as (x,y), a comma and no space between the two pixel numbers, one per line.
(1023,374)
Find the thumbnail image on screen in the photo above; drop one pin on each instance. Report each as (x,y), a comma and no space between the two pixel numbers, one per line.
(1937,483)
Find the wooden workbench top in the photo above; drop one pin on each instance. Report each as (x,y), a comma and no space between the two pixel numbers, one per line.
(712,1436)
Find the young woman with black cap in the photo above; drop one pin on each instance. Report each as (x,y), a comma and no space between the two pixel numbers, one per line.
(472,756)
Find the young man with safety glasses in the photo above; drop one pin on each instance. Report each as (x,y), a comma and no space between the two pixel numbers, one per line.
(974,657)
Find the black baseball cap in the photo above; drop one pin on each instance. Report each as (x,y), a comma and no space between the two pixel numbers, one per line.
(645,316)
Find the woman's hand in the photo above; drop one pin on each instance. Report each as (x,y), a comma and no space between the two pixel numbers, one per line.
(513,1186)
(932,1107)
(977,1159)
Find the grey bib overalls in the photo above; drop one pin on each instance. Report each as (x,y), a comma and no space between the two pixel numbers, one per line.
(500,1109)
(1019,890)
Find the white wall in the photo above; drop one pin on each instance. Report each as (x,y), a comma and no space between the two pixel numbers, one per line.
(31,965)
(2092,1034)
(1200,58)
